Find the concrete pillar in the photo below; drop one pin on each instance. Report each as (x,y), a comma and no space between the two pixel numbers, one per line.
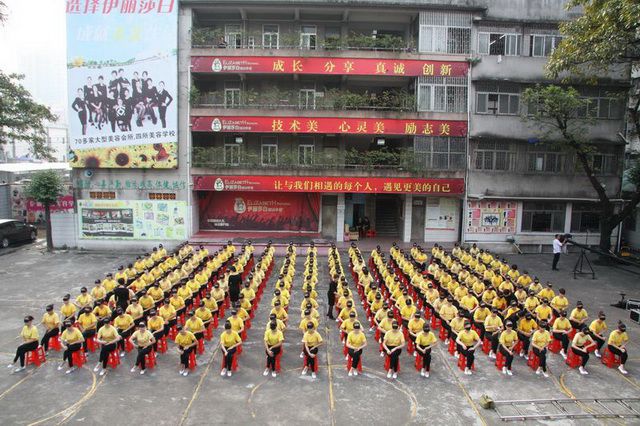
(567,218)
(408,208)
(340,218)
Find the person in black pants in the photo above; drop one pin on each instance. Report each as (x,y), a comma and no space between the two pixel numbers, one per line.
(80,106)
(30,338)
(331,295)
(122,295)
(144,340)
(52,323)
(164,99)
(580,346)
(235,281)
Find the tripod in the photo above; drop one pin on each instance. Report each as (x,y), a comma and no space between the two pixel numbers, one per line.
(579,266)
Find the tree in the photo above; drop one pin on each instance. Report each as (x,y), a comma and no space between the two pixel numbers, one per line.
(604,38)
(45,187)
(555,110)
(22,118)
(3,13)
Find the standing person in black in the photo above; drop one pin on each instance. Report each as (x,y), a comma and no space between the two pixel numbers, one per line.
(121,294)
(110,104)
(88,93)
(331,295)
(113,83)
(235,281)
(80,106)
(164,100)
(135,80)
(129,104)
(151,100)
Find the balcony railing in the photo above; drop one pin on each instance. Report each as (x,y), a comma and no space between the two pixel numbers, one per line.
(388,100)
(216,38)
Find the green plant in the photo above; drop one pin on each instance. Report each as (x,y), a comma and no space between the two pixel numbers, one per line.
(206,36)
(45,187)
(194,95)
(332,43)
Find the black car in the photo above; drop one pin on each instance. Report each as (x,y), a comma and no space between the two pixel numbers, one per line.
(13,231)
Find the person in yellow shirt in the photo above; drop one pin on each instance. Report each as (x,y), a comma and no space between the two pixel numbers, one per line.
(597,330)
(83,300)
(547,293)
(146,302)
(108,339)
(406,313)
(102,313)
(71,339)
(124,323)
(30,337)
(186,344)
(68,310)
(393,343)
(273,339)
(467,342)
(539,343)
(51,323)
(479,316)
(561,330)
(617,344)
(580,346)
(237,323)
(88,325)
(356,342)
(311,341)
(543,311)
(447,313)
(578,316)
(143,340)
(559,302)
(168,314)
(526,326)
(280,312)
(196,325)
(156,325)
(493,328)
(344,313)
(425,341)
(508,340)
(98,292)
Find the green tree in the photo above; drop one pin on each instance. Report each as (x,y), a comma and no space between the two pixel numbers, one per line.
(45,187)
(604,37)
(554,110)
(22,118)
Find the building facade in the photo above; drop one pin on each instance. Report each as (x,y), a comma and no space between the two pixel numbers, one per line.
(311,117)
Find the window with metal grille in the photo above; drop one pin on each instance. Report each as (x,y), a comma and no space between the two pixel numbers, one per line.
(543,216)
(269,151)
(442,94)
(490,43)
(498,156)
(442,32)
(231,154)
(231,94)
(305,154)
(440,153)
(585,217)
(270,36)
(233,36)
(308,36)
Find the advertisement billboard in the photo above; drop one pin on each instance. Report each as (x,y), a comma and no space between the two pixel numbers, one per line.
(264,211)
(132,219)
(122,83)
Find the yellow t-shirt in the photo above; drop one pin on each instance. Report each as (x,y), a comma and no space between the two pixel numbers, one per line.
(155,323)
(526,326)
(87,320)
(581,340)
(618,338)
(492,323)
(142,338)
(67,309)
(508,338)
(167,311)
(304,321)
(579,314)
(312,338)
(72,337)
(448,312)
(393,338)
(543,312)
(541,338)
(425,339)
(273,337)
(407,312)
(356,340)
(468,338)
(457,324)
(194,325)
(51,320)
(123,322)
(415,325)
(230,339)
(597,326)
(30,332)
(236,323)
(136,311)
(107,333)
(561,324)
(185,338)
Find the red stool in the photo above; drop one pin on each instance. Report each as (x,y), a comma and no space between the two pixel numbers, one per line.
(443,334)
(128,346)
(36,357)
(555,345)
(173,332)
(499,360)
(610,359)
(278,367)
(452,346)
(200,346)
(114,359)
(462,363)
(150,359)
(518,347)
(54,343)
(208,332)
(572,334)
(418,362)
(79,358)
(387,363)
(162,344)
(192,361)
(533,361)
(234,361)
(350,364)
(573,360)
(92,343)
(215,321)
(486,345)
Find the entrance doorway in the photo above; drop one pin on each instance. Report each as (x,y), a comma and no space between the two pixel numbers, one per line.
(388,212)
(417,219)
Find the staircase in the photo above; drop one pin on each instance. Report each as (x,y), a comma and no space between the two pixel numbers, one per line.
(387,220)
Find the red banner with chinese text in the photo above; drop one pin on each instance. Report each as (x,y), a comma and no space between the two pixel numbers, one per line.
(311,184)
(352,126)
(327,66)
(260,211)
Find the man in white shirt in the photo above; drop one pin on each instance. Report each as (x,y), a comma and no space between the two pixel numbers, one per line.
(557,249)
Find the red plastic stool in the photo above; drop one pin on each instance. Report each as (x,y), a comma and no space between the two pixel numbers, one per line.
(128,346)
(573,360)
(418,362)
(54,343)
(234,362)
(173,332)
(486,345)
(150,359)
(315,364)
(192,361)
(499,360)
(443,334)
(215,321)
(200,346)
(208,332)
(162,344)
(278,357)
(533,361)
(452,346)
(113,360)
(92,343)
(350,364)
(555,345)
(36,357)
(610,359)
(518,347)
(387,363)
(78,358)
(462,363)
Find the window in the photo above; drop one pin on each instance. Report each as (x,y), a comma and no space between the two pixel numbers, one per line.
(440,153)
(499,44)
(269,151)
(270,36)
(497,99)
(442,32)
(231,94)
(602,104)
(305,154)
(604,164)
(231,154)
(545,160)
(543,217)
(233,36)
(443,94)
(494,156)
(307,99)
(308,36)
(543,45)
(585,217)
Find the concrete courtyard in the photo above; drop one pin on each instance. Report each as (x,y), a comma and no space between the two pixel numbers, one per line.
(32,278)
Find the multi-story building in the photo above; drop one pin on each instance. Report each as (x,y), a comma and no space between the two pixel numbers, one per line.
(306,117)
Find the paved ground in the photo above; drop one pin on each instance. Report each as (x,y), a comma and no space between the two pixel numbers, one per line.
(31,279)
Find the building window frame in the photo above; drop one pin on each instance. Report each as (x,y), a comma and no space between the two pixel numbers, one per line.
(497,156)
(543,45)
(585,218)
(231,154)
(308,37)
(269,36)
(441,32)
(307,98)
(442,94)
(233,36)
(546,160)
(536,213)
(306,154)
(269,151)
(499,43)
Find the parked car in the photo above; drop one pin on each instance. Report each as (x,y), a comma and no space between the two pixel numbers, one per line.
(13,231)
